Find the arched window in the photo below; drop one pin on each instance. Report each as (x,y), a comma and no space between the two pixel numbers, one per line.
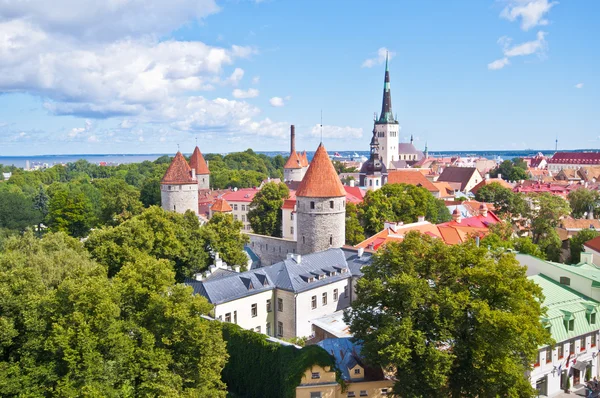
(330,240)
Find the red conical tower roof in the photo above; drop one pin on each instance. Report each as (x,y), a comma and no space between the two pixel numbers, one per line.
(179,172)
(293,162)
(304,159)
(221,206)
(321,179)
(198,163)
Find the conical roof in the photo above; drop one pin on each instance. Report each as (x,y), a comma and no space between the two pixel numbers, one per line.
(321,179)
(293,162)
(221,206)
(198,163)
(179,172)
(304,159)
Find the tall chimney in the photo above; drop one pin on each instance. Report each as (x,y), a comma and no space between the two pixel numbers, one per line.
(292,139)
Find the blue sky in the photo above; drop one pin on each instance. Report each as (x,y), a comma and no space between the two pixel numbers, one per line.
(142,77)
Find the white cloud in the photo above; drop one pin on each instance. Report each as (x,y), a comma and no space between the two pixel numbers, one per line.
(276,102)
(127,124)
(537,46)
(531,12)
(579,85)
(256,80)
(336,131)
(93,138)
(250,93)
(236,76)
(78,131)
(498,64)
(379,59)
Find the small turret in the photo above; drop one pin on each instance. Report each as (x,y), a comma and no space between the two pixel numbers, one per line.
(179,187)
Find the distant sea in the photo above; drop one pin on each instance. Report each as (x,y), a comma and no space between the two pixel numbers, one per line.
(21,161)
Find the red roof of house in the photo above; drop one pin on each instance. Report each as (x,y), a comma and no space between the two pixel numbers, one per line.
(221,206)
(293,162)
(489,181)
(593,244)
(289,204)
(241,195)
(303,159)
(354,194)
(411,177)
(321,179)
(198,163)
(179,172)
(575,158)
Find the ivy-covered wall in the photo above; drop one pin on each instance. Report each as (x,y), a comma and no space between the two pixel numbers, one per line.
(258,368)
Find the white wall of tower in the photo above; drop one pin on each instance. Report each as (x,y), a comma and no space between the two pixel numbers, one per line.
(179,198)
(388,137)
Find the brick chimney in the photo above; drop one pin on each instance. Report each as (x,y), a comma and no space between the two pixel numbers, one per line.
(292,138)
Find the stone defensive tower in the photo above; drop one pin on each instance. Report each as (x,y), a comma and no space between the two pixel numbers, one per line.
(321,207)
(179,187)
(199,165)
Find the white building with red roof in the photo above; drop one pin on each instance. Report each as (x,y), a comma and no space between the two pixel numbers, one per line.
(179,187)
(240,200)
(572,160)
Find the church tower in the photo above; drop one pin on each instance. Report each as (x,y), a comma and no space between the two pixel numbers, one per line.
(386,127)
(373,173)
(321,207)
(179,187)
(198,164)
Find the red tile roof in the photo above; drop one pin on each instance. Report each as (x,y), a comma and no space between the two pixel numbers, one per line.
(241,195)
(593,244)
(411,177)
(289,204)
(488,181)
(303,159)
(221,206)
(457,175)
(293,162)
(354,194)
(575,158)
(179,172)
(198,163)
(321,179)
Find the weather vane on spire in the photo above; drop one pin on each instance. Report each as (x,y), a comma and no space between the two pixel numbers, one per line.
(321,126)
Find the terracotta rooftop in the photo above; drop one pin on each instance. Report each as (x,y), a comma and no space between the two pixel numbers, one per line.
(179,172)
(460,175)
(303,159)
(321,179)
(221,206)
(575,158)
(593,244)
(411,177)
(570,223)
(293,162)
(489,181)
(198,163)
(241,195)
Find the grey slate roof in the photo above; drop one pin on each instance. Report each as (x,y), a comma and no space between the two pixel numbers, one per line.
(455,174)
(406,148)
(332,265)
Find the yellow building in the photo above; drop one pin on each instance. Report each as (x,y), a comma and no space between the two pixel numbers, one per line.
(359,380)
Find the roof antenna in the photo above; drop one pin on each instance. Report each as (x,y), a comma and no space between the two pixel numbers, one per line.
(321,126)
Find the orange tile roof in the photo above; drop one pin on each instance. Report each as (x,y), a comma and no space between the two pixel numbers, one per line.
(446,190)
(321,179)
(593,244)
(303,159)
(293,162)
(221,206)
(198,163)
(289,204)
(179,172)
(488,182)
(579,223)
(411,177)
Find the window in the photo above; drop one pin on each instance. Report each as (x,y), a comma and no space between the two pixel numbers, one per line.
(234,207)
(582,344)
(571,346)
(351,394)
(346,291)
(548,355)
(384,391)
(257,329)
(303,240)
(572,324)
(316,375)
(324,298)
(235,317)
(254,310)
(313,303)
(269,305)
(330,240)
(235,217)
(280,304)
(228,317)
(292,216)
(243,218)
(331,204)
(363,393)
(559,351)
(537,360)
(357,371)
(335,295)
(376,183)
(292,230)
(174,208)
(268,328)
(279,328)
(316,394)
(565,281)
(243,207)
(312,205)
(593,340)
(593,318)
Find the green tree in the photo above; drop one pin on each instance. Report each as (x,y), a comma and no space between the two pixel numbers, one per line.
(119,202)
(150,192)
(265,209)
(222,234)
(400,202)
(507,204)
(17,211)
(70,211)
(355,233)
(40,203)
(576,243)
(451,320)
(547,211)
(583,201)
(511,170)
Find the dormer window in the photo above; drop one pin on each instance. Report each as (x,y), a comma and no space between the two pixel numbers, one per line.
(565,281)
(570,324)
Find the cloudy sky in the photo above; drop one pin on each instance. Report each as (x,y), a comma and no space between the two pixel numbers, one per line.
(142,76)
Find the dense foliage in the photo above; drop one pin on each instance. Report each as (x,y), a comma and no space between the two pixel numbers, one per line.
(68,330)
(577,241)
(243,169)
(355,233)
(511,170)
(400,202)
(584,201)
(265,209)
(260,369)
(452,320)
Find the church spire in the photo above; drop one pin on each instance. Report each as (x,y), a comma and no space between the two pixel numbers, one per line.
(386,106)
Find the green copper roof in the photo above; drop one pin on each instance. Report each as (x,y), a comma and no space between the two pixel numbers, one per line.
(563,304)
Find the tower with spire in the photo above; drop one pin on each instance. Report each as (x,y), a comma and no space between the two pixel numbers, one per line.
(373,173)
(386,127)
(179,187)
(199,165)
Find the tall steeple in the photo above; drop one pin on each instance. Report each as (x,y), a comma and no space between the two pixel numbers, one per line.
(386,105)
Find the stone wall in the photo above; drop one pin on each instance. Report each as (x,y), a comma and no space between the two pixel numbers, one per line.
(203,181)
(179,198)
(271,250)
(321,227)
(293,174)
